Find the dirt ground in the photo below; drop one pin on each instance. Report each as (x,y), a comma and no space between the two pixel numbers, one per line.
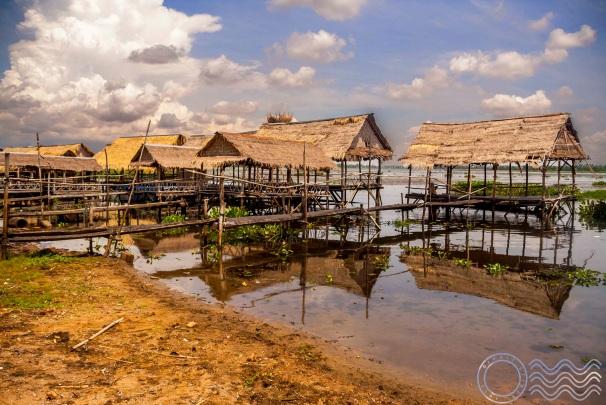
(169,349)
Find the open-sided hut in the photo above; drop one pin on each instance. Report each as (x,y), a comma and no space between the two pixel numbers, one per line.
(539,141)
(164,158)
(71,150)
(122,151)
(265,168)
(343,139)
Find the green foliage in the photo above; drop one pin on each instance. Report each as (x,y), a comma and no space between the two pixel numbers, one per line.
(599,183)
(599,195)
(230,212)
(496,269)
(399,223)
(173,219)
(586,277)
(283,251)
(329,278)
(463,263)
(441,255)
(517,189)
(593,213)
(381,262)
(415,250)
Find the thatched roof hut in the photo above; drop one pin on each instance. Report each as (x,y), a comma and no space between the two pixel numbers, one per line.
(122,150)
(47,162)
(167,157)
(72,149)
(343,138)
(227,149)
(197,141)
(532,140)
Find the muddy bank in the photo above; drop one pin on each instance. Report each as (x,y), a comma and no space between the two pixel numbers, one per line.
(169,349)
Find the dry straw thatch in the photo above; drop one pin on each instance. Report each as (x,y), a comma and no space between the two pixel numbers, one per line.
(168,157)
(72,149)
(227,149)
(518,140)
(343,138)
(121,151)
(48,162)
(197,141)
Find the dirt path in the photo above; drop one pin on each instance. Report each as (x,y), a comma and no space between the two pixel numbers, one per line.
(169,349)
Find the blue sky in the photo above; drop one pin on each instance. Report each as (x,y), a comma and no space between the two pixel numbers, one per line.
(89,72)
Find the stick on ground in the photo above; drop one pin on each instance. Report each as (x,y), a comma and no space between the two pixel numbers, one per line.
(105,329)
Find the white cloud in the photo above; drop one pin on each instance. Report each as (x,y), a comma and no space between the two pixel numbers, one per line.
(565,91)
(507,105)
(75,69)
(560,39)
(505,65)
(284,77)
(512,65)
(319,47)
(224,71)
(338,10)
(235,107)
(434,78)
(595,146)
(542,23)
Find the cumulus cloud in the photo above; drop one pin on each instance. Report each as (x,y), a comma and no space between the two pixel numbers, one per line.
(512,65)
(235,107)
(565,91)
(223,70)
(595,146)
(337,10)
(156,54)
(318,47)
(434,78)
(507,105)
(284,77)
(542,23)
(505,65)
(169,121)
(75,69)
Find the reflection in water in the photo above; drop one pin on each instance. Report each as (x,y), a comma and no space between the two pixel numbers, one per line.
(401,298)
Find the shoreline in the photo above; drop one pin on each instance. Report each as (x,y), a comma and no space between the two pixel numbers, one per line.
(220,355)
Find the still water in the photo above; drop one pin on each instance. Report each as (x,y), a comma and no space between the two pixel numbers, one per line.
(416,314)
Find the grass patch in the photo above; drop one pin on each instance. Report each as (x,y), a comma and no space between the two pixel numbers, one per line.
(307,352)
(599,195)
(517,189)
(24,281)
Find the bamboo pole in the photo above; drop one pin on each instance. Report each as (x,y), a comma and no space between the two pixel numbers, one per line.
(40,176)
(526,181)
(304,202)
(5,212)
(221,210)
(106,188)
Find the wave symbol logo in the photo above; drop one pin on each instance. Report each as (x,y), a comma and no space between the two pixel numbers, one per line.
(564,378)
(537,378)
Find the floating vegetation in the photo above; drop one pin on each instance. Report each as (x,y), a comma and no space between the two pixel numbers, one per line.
(173,219)
(586,277)
(381,262)
(517,189)
(496,269)
(593,213)
(463,263)
(152,258)
(599,183)
(283,251)
(329,278)
(230,212)
(403,223)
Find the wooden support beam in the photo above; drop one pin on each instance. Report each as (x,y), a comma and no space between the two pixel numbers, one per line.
(6,208)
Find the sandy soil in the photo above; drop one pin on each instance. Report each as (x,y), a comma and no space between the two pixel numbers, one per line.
(171,349)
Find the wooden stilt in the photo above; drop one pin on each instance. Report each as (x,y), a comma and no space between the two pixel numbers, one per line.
(5,207)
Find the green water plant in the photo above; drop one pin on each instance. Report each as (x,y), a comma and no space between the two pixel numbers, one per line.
(463,263)
(381,262)
(599,183)
(173,219)
(441,255)
(283,251)
(496,269)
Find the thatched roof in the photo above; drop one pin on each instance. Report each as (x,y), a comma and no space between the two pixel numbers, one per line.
(72,149)
(168,157)
(122,150)
(47,162)
(227,148)
(340,138)
(197,141)
(522,140)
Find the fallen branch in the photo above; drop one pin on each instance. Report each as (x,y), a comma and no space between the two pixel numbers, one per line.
(105,329)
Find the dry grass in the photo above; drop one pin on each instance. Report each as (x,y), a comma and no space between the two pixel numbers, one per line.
(524,139)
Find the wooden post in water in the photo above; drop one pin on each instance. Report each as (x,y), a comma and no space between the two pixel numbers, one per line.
(485,178)
(526,181)
(221,211)
(494,188)
(559,170)
(106,188)
(574,173)
(409,183)
(5,211)
(510,181)
(304,202)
